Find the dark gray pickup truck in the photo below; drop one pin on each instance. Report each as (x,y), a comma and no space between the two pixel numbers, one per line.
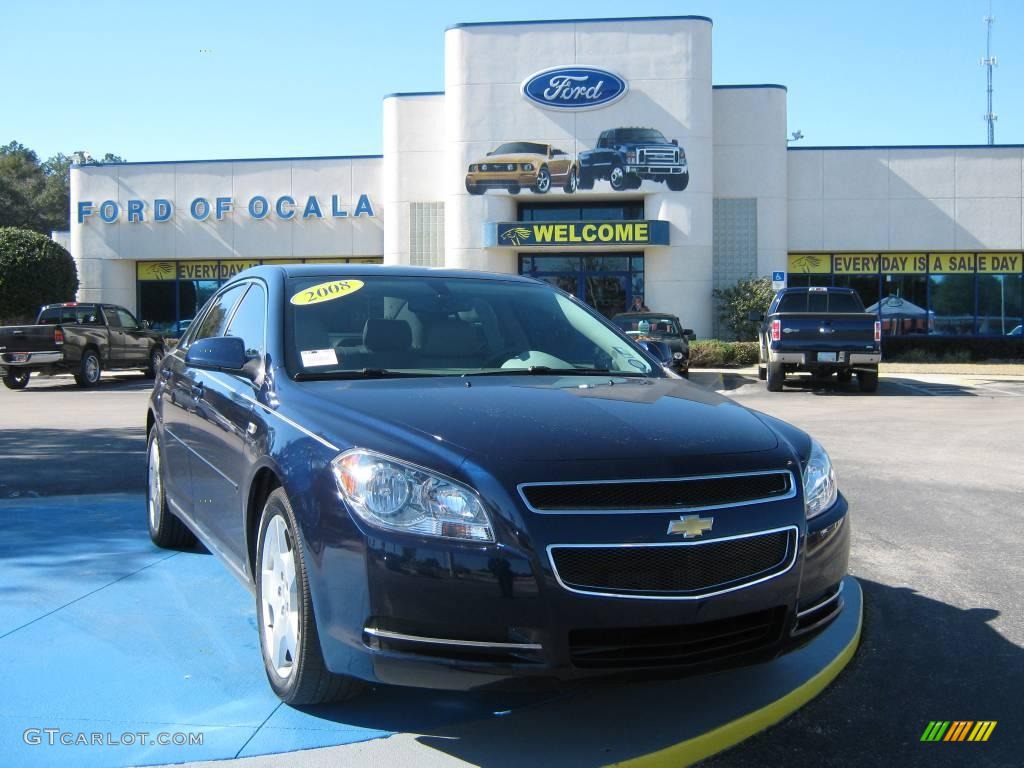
(81,339)
(822,331)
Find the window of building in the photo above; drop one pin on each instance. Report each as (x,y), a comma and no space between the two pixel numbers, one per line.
(904,304)
(606,281)
(426,234)
(951,304)
(866,286)
(999,304)
(629,210)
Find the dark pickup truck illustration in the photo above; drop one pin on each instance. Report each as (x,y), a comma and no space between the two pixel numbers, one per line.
(821,331)
(81,339)
(627,156)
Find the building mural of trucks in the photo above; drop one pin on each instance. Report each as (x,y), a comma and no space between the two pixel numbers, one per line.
(628,156)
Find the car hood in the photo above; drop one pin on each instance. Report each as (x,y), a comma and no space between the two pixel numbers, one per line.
(534,418)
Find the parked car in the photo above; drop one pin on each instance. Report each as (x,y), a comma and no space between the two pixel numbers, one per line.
(80,339)
(519,164)
(658,326)
(453,479)
(820,330)
(627,156)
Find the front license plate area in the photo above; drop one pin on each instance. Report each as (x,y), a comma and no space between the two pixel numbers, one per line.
(828,357)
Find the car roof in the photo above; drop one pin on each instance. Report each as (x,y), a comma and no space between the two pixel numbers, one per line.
(380,270)
(646,314)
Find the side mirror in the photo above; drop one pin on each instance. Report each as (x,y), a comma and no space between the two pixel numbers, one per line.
(220,353)
(675,142)
(755,317)
(689,335)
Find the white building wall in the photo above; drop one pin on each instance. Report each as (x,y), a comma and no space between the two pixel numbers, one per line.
(906,199)
(750,162)
(667,63)
(413,166)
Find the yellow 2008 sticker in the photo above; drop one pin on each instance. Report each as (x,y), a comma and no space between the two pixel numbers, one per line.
(334,289)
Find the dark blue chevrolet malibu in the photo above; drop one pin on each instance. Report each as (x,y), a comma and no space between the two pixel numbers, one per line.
(455,479)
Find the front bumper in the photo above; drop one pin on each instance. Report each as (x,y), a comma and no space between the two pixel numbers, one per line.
(502,180)
(459,616)
(656,170)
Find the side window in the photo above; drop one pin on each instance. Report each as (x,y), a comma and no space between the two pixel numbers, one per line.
(126,319)
(112,319)
(216,317)
(249,321)
(49,316)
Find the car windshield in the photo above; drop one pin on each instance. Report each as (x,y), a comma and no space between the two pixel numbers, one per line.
(640,134)
(655,326)
(375,325)
(520,148)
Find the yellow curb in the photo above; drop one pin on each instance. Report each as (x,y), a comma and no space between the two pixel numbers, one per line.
(729,735)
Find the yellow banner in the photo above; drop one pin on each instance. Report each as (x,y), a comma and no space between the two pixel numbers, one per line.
(810,263)
(873,263)
(987,263)
(213,270)
(155,270)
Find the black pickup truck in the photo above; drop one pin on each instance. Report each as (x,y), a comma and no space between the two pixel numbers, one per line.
(627,156)
(81,339)
(822,331)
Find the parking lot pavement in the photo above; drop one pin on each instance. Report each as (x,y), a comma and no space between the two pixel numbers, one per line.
(934,478)
(933,467)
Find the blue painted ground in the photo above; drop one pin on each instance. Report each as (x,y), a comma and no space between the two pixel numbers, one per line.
(101,632)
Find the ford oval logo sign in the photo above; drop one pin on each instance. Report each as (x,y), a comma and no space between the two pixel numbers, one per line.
(574,88)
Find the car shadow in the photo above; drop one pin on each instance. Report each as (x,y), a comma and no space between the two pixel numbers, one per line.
(54,462)
(888,386)
(126,381)
(920,659)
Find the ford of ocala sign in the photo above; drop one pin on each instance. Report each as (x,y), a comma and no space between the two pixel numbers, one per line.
(574,88)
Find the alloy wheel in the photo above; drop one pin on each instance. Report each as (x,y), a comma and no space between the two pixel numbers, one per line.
(155,495)
(279,597)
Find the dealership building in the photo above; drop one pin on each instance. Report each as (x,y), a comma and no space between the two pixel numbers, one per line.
(597,155)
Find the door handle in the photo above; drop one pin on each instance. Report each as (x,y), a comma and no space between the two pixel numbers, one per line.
(197,390)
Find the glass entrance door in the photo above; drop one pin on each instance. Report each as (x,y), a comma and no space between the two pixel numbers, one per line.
(607,282)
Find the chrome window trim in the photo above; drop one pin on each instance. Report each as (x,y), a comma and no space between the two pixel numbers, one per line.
(702,596)
(387,634)
(791,493)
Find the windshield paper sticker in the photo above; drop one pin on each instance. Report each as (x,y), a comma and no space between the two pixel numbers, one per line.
(334,289)
(311,358)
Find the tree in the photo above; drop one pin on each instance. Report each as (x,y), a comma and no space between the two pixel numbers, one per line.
(734,304)
(37,195)
(34,271)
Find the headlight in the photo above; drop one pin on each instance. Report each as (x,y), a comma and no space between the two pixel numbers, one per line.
(527,166)
(677,355)
(820,488)
(401,497)
(472,169)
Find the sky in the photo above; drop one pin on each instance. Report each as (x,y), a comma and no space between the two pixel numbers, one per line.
(227,79)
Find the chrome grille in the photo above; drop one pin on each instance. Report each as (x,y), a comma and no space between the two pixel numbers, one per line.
(661,495)
(681,571)
(652,156)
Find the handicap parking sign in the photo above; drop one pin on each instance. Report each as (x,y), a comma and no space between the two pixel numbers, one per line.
(778,281)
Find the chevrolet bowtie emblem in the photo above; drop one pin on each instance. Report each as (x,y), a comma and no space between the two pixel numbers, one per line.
(691,526)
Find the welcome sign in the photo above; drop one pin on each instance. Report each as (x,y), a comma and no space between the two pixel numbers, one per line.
(517,234)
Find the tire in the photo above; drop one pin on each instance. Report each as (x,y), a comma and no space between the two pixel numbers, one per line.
(572,182)
(762,373)
(165,529)
(16,379)
(474,189)
(844,375)
(867,381)
(543,183)
(293,660)
(585,180)
(677,182)
(514,189)
(775,377)
(156,356)
(617,178)
(89,369)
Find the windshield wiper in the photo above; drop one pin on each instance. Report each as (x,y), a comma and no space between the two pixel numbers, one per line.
(545,370)
(363,373)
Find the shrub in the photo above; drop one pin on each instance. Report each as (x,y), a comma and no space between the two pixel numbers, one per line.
(714,353)
(733,305)
(34,271)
